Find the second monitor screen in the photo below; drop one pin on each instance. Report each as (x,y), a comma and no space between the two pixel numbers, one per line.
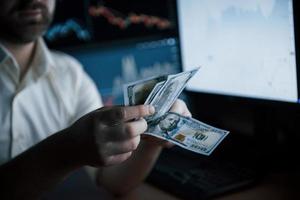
(245,48)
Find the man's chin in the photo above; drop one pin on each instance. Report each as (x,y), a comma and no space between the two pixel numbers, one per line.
(27,35)
(26,29)
(27,39)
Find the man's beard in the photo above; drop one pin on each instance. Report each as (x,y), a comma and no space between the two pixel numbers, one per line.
(18,29)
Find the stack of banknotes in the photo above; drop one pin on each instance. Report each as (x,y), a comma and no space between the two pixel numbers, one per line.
(162,92)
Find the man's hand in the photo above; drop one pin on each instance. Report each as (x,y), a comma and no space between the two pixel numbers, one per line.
(109,135)
(120,179)
(178,107)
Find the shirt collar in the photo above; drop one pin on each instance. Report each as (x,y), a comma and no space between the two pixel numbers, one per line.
(2,54)
(42,60)
(9,64)
(41,63)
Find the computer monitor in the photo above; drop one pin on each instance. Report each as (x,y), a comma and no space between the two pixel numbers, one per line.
(117,41)
(112,67)
(247,50)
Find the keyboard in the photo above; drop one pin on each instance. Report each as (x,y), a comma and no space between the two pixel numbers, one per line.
(192,176)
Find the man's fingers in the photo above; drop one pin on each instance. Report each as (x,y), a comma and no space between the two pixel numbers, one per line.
(135,128)
(114,115)
(187,114)
(179,107)
(116,148)
(136,112)
(126,130)
(117,159)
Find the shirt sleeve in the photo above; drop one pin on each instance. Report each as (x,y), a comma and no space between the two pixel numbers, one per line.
(78,92)
(88,96)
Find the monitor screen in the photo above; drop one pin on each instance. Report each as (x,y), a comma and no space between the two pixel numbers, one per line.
(78,23)
(111,67)
(117,41)
(245,48)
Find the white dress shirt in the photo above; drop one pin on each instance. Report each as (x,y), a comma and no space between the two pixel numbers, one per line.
(54,93)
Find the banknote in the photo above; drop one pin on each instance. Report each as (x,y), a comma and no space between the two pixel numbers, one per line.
(146,90)
(161,92)
(136,93)
(187,132)
(169,92)
(154,91)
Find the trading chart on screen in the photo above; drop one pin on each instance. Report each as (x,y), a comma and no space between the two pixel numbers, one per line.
(117,41)
(90,21)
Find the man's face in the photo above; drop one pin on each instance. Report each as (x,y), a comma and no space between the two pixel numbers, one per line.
(23,21)
(169,122)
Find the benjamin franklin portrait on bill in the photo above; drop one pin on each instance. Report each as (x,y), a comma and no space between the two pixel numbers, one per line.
(166,125)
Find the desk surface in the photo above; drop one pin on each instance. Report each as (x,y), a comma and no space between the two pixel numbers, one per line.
(276,186)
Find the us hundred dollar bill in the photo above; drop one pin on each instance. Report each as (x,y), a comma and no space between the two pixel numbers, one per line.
(137,92)
(162,92)
(187,132)
(168,93)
